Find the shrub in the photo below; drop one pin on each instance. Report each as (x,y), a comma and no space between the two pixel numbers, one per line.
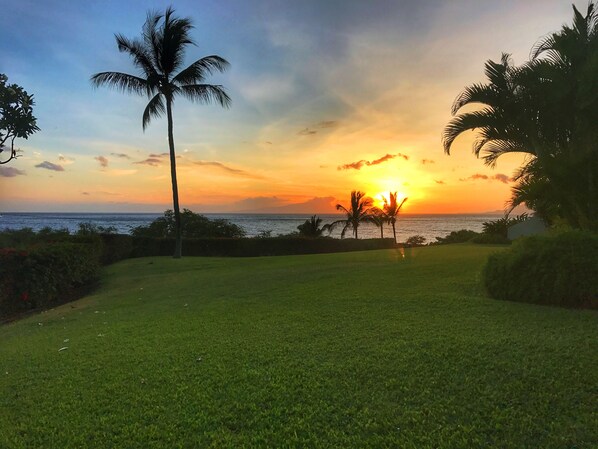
(501,226)
(559,270)
(192,226)
(45,275)
(461,236)
(416,240)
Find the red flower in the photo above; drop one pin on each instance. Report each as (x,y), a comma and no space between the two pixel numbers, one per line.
(25,296)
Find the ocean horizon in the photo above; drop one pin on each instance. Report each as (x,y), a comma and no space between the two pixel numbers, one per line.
(428,225)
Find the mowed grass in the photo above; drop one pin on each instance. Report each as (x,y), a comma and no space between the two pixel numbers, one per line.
(364,350)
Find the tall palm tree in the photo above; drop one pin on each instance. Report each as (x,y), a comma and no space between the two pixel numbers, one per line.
(391,210)
(358,212)
(547,108)
(159,56)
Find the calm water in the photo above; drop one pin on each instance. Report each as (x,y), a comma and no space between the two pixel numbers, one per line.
(430,226)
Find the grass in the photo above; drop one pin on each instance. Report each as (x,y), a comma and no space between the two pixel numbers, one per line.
(343,350)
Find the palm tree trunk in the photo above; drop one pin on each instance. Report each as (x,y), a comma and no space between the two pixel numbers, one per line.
(394,231)
(381,230)
(355,229)
(178,246)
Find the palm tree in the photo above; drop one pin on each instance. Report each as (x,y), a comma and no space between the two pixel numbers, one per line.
(311,228)
(547,108)
(391,210)
(378,217)
(159,56)
(357,213)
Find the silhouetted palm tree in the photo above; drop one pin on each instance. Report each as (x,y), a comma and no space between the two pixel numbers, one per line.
(311,228)
(159,56)
(391,209)
(357,213)
(548,108)
(378,217)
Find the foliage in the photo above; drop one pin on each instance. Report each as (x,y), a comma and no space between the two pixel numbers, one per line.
(159,56)
(560,270)
(461,236)
(547,108)
(89,228)
(358,212)
(311,228)
(259,246)
(501,226)
(192,226)
(391,210)
(378,218)
(491,239)
(16,117)
(44,275)
(26,237)
(416,240)
(353,350)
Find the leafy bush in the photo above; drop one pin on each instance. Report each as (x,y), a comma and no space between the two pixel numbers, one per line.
(501,226)
(560,270)
(311,228)
(45,275)
(192,226)
(416,240)
(461,236)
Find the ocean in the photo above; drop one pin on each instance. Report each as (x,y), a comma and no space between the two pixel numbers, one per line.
(430,226)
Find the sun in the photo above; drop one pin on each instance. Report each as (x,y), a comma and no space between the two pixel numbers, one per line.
(379,198)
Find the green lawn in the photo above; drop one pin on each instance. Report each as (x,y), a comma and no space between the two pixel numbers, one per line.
(345,350)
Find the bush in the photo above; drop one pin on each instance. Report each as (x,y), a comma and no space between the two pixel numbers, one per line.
(560,270)
(461,236)
(501,226)
(192,226)
(45,275)
(416,240)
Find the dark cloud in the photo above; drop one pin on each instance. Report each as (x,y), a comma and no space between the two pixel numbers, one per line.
(121,155)
(439,181)
(359,164)
(498,177)
(327,124)
(158,155)
(307,132)
(102,160)
(152,161)
(268,142)
(234,171)
(84,193)
(427,161)
(10,172)
(50,166)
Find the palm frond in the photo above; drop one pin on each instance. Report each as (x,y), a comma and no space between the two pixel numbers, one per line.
(174,37)
(205,93)
(123,82)
(466,122)
(154,109)
(196,72)
(476,93)
(139,52)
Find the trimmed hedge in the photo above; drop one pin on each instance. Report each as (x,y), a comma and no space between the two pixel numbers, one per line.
(559,270)
(46,275)
(252,247)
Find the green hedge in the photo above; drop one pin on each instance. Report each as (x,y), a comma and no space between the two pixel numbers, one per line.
(560,270)
(251,247)
(46,275)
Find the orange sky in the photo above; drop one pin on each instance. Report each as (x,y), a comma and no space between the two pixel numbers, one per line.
(325,101)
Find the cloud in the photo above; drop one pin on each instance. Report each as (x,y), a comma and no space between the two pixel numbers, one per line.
(427,161)
(50,166)
(357,165)
(100,193)
(307,132)
(158,155)
(10,172)
(439,181)
(498,177)
(152,161)
(102,160)
(121,155)
(234,171)
(64,159)
(84,193)
(327,124)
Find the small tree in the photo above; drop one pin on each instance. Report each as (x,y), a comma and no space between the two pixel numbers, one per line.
(379,218)
(16,117)
(391,209)
(311,228)
(357,213)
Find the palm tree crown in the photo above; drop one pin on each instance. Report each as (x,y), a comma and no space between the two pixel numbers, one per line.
(357,213)
(158,56)
(391,210)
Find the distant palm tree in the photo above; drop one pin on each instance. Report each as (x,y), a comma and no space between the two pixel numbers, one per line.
(158,56)
(311,228)
(357,213)
(378,217)
(391,210)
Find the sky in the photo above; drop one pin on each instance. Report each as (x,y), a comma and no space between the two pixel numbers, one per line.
(327,97)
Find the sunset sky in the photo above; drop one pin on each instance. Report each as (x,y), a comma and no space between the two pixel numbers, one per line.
(328,97)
